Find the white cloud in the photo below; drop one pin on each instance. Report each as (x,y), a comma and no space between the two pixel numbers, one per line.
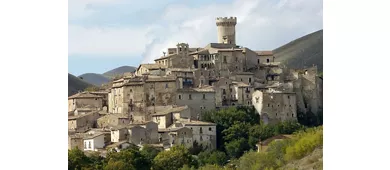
(107,41)
(262,25)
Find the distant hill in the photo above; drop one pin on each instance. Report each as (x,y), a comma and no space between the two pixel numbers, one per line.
(95,79)
(119,71)
(302,52)
(76,84)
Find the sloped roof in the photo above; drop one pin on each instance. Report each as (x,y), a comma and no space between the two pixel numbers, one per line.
(83,95)
(171,110)
(196,123)
(152,66)
(264,53)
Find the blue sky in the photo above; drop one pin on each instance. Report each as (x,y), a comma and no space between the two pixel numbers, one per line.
(105,34)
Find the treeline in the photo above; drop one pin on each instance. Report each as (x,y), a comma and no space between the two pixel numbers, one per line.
(238,131)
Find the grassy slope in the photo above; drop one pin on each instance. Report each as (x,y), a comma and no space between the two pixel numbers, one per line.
(75,84)
(313,161)
(302,52)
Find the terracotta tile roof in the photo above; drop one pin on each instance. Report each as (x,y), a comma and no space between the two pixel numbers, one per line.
(83,95)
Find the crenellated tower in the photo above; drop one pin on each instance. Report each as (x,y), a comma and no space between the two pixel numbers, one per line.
(226,30)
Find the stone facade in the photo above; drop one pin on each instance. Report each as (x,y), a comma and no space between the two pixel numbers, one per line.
(85,100)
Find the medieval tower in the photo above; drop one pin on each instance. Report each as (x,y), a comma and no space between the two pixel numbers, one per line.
(226,30)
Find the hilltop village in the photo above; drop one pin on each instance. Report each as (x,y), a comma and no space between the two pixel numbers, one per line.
(161,104)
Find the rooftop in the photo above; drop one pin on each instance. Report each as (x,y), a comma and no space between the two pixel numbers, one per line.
(165,57)
(116,144)
(171,110)
(198,89)
(152,66)
(94,135)
(182,69)
(240,84)
(264,53)
(196,123)
(84,95)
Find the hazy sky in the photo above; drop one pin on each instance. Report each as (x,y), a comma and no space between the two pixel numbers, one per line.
(104,34)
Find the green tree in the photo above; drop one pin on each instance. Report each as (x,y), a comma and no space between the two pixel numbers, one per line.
(173,159)
(212,157)
(196,148)
(149,152)
(92,88)
(131,157)
(237,147)
(118,165)
(77,159)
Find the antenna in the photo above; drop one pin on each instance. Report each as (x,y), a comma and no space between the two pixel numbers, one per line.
(164,53)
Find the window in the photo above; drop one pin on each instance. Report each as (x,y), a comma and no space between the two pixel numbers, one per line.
(201,139)
(179,49)
(292,115)
(231,90)
(267,60)
(210,129)
(250,80)
(225,82)
(166,85)
(258,61)
(276,114)
(89,145)
(268,104)
(200,130)
(131,90)
(236,59)
(85,145)
(95,98)
(189,97)
(288,97)
(201,81)
(179,97)
(204,96)
(224,59)
(201,73)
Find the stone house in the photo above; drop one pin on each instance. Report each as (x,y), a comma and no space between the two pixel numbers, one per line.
(111,120)
(241,94)
(265,57)
(198,99)
(80,100)
(104,95)
(133,133)
(176,136)
(76,141)
(223,92)
(276,106)
(185,76)
(153,69)
(165,118)
(151,130)
(93,141)
(119,133)
(204,133)
(82,122)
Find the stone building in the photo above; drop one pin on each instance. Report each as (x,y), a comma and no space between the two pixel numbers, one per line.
(151,130)
(133,133)
(82,122)
(241,94)
(176,136)
(76,141)
(204,133)
(111,120)
(165,118)
(152,69)
(198,99)
(80,100)
(93,141)
(276,106)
